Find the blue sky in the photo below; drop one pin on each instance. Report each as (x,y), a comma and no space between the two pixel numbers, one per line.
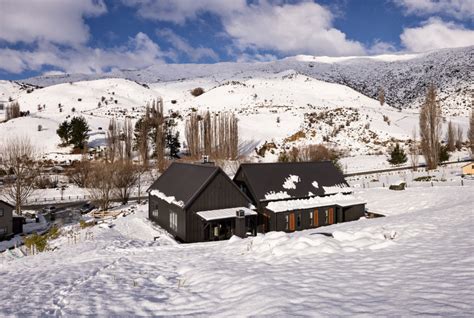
(89,36)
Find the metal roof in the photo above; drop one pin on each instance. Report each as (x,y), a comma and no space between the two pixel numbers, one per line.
(265,178)
(224,213)
(184,181)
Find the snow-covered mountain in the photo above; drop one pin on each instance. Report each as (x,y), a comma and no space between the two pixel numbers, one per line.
(286,103)
(403,77)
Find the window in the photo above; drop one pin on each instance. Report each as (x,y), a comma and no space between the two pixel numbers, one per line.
(3,231)
(326,215)
(2,212)
(311,218)
(154,213)
(298,220)
(286,222)
(173,221)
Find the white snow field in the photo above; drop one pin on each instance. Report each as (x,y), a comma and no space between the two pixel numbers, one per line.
(419,260)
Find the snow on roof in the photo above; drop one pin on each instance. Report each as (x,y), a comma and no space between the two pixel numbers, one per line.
(299,204)
(338,188)
(224,213)
(169,199)
(291,181)
(272,195)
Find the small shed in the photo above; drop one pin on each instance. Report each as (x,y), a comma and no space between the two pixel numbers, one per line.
(6,220)
(199,202)
(468,170)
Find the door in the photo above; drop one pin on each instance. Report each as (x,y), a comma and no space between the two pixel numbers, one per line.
(331,215)
(316,218)
(292,221)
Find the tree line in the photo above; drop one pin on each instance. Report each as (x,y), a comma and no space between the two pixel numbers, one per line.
(430,130)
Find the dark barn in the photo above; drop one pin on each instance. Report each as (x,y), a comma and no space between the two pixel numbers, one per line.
(199,202)
(298,196)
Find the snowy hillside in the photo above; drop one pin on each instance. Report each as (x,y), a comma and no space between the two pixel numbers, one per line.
(286,109)
(416,261)
(97,101)
(403,77)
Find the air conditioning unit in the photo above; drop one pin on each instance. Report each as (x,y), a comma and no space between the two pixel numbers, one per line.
(240,213)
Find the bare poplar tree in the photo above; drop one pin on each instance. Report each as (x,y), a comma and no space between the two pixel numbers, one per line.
(112,140)
(125,177)
(207,133)
(158,122)
(143,134)
(450,137)
(234,137)
(101,184)
(19,158)
(414,150)
(192,135)
(470,133)
(459,138)
(216,136)
(430,127)
(381,96)
(128,138)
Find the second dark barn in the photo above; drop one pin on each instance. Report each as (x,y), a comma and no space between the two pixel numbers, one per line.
(297,196)
(199,202)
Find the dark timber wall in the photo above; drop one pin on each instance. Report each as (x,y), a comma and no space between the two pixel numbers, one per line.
(163,219)
(220,193)
(277,221)
(354,212)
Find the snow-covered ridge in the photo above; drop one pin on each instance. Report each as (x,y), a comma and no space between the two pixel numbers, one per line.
(332,59)
(403,77)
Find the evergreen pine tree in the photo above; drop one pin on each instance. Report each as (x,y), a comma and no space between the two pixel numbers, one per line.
(64,132)
(172,138)
(443,154)
(79,130)
(397,156)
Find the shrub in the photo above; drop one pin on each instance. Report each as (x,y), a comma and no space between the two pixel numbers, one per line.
(197,91)
(398,187)
(423,178)
(54,233)
(36,242)
(83,224)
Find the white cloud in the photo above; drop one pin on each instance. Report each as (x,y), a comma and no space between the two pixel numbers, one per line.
(183,47)
(436,34)
(460,9)
(301,27)
(178,11)
(250,58)
(304,28)
(381,47)
(58,21)
(139,52)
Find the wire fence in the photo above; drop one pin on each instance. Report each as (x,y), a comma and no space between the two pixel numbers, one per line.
(414,184)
